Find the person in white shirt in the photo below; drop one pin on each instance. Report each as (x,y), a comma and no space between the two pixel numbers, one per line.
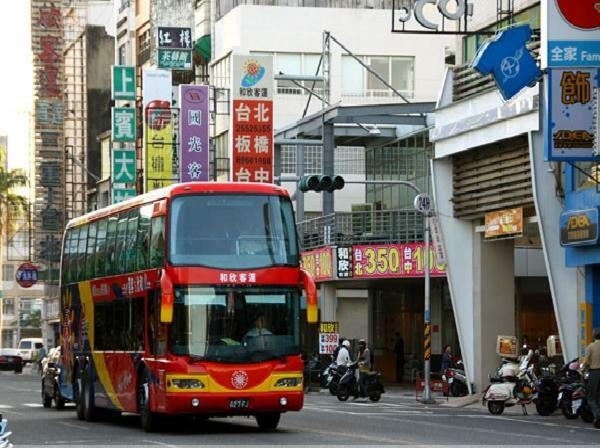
(343,357)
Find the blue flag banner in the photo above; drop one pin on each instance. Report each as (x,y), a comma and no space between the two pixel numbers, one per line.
(507,58)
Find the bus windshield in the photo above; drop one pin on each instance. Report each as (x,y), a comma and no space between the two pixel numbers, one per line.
(232,231)
(235,324)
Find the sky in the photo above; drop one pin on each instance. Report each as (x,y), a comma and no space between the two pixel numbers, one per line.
(16,100)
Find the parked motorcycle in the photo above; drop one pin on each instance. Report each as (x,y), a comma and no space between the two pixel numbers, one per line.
(512,386)
(348,384)
(332,375)
(545,396)
(572,400)
(457,380)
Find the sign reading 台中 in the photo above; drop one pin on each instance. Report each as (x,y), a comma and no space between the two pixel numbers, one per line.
(504,223)
(123,124)
(123,82)
(193,130)
(572,33)
(507,58)
(579,227)
(318,264)
(572,118)
(329,337)
(123,166)
(252,119)
(174,48)
(26,275)
(394,260)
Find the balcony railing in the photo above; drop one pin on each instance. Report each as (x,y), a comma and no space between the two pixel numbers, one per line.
(369,227)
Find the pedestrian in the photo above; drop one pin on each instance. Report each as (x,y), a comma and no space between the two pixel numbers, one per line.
(337,349)
(364,366)
(447,361)
(399,352)
(592,364)
(343,356)
(40,357)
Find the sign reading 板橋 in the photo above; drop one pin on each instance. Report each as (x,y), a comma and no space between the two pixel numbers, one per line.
(252,119)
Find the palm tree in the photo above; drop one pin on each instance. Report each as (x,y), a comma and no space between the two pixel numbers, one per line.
(11,203)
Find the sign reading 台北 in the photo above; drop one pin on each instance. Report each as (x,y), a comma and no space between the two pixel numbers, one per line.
(329,337)
(572,33)
(504,223)
(252,119)
(394,260)
(194,125)
(572,118)
(579,227)
(318,264)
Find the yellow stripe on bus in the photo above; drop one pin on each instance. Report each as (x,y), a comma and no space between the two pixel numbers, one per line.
(85,295)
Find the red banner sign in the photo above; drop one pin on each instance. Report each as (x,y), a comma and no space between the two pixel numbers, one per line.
(394,260)
(318,264)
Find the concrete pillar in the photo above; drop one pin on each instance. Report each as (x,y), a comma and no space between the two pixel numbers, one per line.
(327,302)
(436,319)
(494,301)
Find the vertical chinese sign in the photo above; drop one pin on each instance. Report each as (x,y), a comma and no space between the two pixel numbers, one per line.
(47,47)
(160,156)
(252,119)
(193,130)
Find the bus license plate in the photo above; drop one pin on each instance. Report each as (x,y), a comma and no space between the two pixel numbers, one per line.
(240,403)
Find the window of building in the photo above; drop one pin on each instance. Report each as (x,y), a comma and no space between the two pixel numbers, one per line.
(8,273)
(8,308)
(399,71)
(144,47)
(123,54)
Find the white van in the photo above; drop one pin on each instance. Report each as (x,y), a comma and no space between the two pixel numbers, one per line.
(29,347)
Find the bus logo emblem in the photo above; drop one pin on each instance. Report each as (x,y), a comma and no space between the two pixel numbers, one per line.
(239,379)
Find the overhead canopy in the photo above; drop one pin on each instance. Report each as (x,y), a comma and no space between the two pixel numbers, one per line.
(203,47)
(380,122)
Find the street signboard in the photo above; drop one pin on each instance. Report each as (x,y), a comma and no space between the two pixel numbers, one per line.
(572,33)
(194,126)
(174,59)
(26,275)
(174,37)
(329,337)
(123,166)
(504,224)
(122,194)
(123,124)
(579,227)
(318,264)
(123,82)
(422,203)
(572,118)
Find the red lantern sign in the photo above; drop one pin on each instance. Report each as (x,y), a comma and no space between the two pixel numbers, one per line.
(27,275)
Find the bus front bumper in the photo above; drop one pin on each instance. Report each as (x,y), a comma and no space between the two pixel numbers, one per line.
(232,403)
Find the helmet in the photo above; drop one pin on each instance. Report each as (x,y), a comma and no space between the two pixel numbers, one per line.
(574,365)
(346,343)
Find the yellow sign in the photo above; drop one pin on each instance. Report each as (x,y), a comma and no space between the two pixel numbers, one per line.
(160,149)
(504,223)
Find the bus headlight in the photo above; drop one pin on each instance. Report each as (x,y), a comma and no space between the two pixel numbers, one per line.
(175,384)
(289,382)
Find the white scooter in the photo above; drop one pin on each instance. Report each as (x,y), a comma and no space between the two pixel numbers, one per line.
(4,435)
(512,386)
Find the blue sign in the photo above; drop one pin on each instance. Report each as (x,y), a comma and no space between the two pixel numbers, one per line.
(509,61)
(579,227)
(573,53)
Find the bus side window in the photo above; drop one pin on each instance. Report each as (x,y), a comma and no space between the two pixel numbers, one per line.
(91,251)
(66,258)
(81,252)
(100,248)
(73,255)
(121,241)
(157,334)
(157,242)
(130,241)
(143,237)
(111,240)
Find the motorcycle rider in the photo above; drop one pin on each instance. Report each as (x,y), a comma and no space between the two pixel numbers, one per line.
(592,364)
(364,366)
(343,356)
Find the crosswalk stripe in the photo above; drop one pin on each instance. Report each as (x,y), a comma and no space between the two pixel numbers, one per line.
(6,406)
(33,405)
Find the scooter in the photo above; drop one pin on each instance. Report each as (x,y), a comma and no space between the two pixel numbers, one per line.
(332,375)
(457,380)
(4,435)
(545,396)
(512,386)
(348,384)
(572,400)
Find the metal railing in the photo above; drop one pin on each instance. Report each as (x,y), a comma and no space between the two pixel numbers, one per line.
(365,227)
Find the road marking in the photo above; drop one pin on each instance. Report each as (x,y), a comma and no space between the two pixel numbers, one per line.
(521,420)
(75,425)
(6,406)
(33,405)
(153,442)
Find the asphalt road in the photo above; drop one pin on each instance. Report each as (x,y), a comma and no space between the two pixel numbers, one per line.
(396,420)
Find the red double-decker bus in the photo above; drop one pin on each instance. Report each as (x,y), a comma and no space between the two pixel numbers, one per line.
(185,300)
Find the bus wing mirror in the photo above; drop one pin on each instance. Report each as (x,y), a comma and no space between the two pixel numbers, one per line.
(312,309)
(167,299)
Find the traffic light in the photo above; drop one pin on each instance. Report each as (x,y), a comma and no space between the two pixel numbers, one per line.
(320,183)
